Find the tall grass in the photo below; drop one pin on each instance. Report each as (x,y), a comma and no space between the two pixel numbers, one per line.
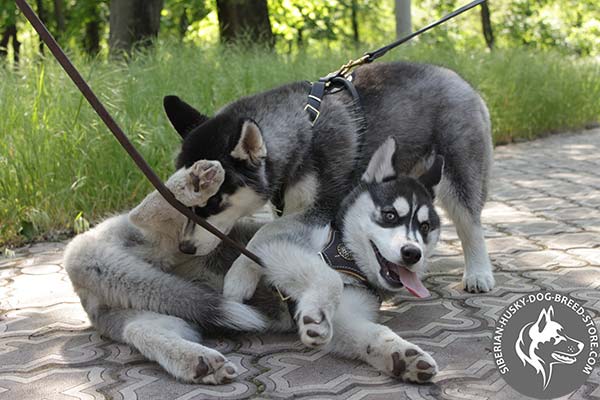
(57,160)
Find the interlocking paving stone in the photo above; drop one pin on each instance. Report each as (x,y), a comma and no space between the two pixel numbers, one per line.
(542,225)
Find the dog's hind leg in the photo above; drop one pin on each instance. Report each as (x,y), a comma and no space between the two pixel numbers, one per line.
(463,198)
(170,341)
(478,276)
(356,335)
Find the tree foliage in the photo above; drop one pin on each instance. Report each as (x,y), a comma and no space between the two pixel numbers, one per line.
(570,25)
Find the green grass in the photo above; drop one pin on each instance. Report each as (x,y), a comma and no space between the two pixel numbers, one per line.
(57,160)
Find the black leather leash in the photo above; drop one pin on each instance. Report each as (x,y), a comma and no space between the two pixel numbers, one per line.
(108,120)
(342,77)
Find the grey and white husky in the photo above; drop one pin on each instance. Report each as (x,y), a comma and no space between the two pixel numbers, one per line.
(138,288)
(270,151)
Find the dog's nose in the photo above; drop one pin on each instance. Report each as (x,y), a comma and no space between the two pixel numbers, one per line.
(410,254)
(187,247)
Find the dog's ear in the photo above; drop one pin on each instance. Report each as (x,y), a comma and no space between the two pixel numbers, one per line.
(250,147)
(182,116)
(544,318)
(381,165)
(432,177)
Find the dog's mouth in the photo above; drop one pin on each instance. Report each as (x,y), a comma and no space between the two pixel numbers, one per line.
(563,358)
(397,275)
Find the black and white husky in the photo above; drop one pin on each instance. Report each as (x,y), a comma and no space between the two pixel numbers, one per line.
(379,243)
(139,288)
(270,151)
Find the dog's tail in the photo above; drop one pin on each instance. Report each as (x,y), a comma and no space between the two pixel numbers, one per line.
(119,279)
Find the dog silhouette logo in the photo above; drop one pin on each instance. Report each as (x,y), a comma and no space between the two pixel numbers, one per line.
(545,345)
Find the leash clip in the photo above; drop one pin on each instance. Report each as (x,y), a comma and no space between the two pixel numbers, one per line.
(350,65)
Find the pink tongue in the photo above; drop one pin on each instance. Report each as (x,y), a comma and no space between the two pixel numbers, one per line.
(410,280)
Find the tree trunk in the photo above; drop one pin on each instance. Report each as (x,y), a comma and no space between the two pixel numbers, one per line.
(10,32)
(486,25)
(403,18)
(183,23)
(4,43)
(59,17)
(133,22)
(91,42)
(41,12)
(355,35)
(246,20)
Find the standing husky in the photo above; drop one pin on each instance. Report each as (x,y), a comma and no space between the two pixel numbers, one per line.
(385,230)
(138,288)
(270,150)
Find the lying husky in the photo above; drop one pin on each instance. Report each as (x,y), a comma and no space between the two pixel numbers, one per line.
(270,151)
(384,232)
(138,288)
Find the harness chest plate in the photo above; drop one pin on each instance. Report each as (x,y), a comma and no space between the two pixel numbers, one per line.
(340,258)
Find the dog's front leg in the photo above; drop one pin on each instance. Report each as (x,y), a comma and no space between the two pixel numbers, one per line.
(303,276)
(356,335)
(242,279)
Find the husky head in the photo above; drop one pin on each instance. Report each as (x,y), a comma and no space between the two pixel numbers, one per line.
(389,222)
(543,344)
(239,146)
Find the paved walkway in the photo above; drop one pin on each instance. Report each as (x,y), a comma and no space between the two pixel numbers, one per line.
(543,229)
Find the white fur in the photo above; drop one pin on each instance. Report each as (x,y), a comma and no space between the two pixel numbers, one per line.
(423,214)
(357,335)
(402,207)
(380,166)
(301,274)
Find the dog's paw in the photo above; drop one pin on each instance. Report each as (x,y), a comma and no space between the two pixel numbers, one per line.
(195,185)
(401,359)
(206,176)
(479,282)
(213,369)
(314,327)
(199,364)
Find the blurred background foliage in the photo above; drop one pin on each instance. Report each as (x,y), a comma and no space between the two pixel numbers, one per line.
(572,26)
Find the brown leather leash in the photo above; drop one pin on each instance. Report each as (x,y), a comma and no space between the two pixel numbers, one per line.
(108,120)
